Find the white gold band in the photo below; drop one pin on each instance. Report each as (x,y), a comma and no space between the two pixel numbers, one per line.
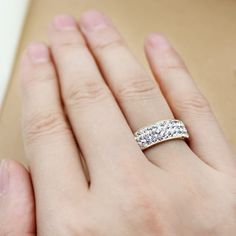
(160,132)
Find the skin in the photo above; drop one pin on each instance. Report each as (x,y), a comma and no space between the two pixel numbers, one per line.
(83,97)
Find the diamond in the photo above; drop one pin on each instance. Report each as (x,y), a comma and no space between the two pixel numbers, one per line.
(160,132)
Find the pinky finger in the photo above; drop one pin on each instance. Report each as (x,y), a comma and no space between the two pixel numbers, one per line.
(188,104)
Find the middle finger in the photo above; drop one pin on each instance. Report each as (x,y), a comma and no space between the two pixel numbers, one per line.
(101,130)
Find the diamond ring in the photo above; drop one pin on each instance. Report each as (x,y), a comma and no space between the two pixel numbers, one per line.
(160,132)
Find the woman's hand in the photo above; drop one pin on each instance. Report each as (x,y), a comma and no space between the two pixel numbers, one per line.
(82,100)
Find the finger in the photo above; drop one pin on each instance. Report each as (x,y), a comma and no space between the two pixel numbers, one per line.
(54,161)
(188,104)
(138,95)
(101,130)
(16,200)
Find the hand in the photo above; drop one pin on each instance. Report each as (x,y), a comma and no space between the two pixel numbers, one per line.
(84,103)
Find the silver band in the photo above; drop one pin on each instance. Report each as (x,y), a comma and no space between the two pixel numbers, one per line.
(160,132)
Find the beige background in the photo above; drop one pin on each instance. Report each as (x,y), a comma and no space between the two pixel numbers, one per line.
(203,31)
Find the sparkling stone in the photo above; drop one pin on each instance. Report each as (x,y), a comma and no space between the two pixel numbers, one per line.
(160,131)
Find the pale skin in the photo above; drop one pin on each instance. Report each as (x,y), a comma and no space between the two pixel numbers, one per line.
(174,188)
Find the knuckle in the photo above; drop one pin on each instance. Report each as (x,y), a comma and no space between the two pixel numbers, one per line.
(142,209)
(140,196)
(142,202)
(86,93)
(42,74)
(66,48)
(195,103)
(171,62)
(138,87)
(67,54)
(175,68)
(69,42)
(45,124)
(107,40)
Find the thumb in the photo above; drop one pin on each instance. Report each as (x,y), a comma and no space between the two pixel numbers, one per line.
(17,209)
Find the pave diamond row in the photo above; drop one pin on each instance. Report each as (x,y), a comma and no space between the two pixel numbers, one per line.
(160,132)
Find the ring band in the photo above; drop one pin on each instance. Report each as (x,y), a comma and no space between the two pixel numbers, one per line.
(160,132)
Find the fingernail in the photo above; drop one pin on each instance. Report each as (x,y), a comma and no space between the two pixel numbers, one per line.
(158,41)
(38,53)
(65,22)
(93,20)
(3,177)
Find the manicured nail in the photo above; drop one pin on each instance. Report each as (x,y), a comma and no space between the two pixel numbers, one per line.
(158,41)
(93,20)
(65,22)
(3,177)
(38,53)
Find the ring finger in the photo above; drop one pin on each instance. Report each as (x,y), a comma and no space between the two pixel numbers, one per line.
(138,94)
